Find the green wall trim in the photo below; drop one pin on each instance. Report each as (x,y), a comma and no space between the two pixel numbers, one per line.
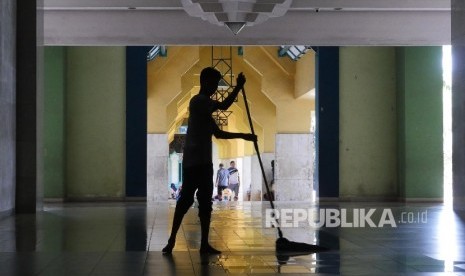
(391,141)
(54,118)
(420,122)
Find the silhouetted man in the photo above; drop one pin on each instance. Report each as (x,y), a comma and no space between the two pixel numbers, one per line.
(197,157)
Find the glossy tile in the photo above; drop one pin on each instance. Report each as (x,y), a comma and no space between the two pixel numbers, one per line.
(126,239)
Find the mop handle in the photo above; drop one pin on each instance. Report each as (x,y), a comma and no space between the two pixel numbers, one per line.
(255,143)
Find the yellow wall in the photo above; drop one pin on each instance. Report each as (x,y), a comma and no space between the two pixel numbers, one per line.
(305,76)
(277,83)
(163,80)
(279,92)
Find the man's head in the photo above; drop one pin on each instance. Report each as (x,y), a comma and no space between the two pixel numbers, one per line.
(221,165)
(209,78)
(232,164)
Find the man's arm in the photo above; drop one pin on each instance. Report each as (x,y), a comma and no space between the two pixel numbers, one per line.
(220,134)
(224,105)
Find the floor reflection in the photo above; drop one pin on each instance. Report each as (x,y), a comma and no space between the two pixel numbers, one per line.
(126,239)
(26,233)
(136,228)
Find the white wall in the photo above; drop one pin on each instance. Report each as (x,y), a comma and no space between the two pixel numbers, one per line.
(157,167)
(294,167)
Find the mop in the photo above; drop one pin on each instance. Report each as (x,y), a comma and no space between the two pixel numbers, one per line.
(283,245)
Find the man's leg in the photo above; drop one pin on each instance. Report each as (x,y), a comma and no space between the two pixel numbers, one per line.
(204,195)
(185,201)
(220,192)
(236,191)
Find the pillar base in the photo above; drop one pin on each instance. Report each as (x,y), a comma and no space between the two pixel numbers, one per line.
(294,167)
(157,167)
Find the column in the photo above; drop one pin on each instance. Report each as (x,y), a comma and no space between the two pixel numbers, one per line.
(157,167)
(7,106)
(27,99)
(54,123)
(294,164)
(327,129)
(458,103)
(136,121)
(419,120)
(368,126)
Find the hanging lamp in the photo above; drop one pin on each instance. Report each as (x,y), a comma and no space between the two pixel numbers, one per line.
(236,14)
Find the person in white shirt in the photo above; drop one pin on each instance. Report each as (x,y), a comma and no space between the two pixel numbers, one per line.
(233,180)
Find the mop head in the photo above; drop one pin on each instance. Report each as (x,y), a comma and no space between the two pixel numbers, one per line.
(284,245)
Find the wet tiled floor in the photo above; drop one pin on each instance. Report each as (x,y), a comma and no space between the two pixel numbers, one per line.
(126,239)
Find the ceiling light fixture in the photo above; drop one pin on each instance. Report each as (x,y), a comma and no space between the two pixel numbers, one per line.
(236,14)
(293,51)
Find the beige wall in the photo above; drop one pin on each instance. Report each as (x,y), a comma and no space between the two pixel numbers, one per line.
(95,121)
(368,148)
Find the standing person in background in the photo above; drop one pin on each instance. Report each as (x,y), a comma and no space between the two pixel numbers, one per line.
(233,179)
(221,181)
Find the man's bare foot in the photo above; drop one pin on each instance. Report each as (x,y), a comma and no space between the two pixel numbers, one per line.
(168,248)
(208,249)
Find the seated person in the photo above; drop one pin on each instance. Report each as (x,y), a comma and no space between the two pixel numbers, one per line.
(228,194)
(173,190)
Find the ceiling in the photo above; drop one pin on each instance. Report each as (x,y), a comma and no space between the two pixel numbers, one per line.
(308,22)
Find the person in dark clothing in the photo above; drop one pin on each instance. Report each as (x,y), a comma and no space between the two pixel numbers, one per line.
(221,181)
(173,190)
(197,157)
